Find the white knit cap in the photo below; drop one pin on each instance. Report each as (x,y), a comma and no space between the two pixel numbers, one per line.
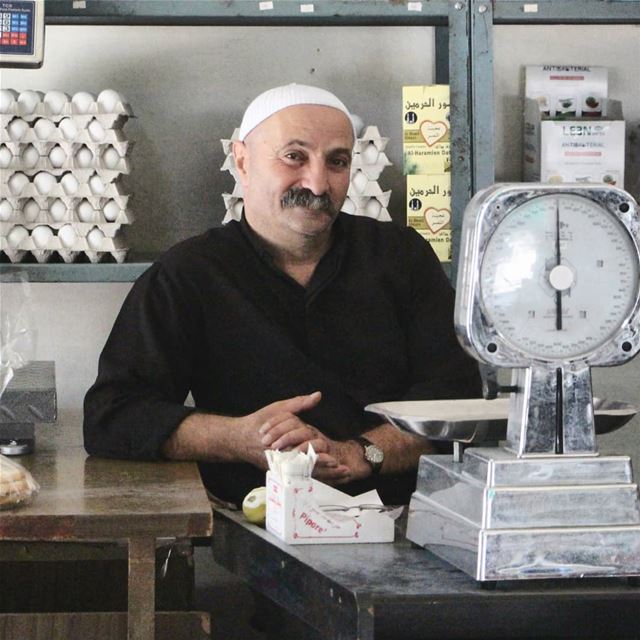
(273,100)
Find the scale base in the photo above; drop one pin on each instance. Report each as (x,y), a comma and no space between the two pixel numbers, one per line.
(499,517)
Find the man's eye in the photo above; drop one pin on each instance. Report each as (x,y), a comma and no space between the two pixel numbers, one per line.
(341,162)
(294,155)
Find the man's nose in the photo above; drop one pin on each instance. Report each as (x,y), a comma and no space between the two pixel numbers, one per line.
(316,178)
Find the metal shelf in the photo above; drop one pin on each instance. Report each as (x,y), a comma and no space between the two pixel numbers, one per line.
(248,12)
(566,12)
(452,67)
(470,69)
(75,272)
(484,15)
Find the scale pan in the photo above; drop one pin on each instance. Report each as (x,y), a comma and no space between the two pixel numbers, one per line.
(479,420)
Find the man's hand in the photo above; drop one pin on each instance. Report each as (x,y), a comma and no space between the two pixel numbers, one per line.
(215,438)
(338,462)
(251,429)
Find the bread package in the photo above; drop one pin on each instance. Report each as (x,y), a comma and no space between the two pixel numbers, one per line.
(17,485)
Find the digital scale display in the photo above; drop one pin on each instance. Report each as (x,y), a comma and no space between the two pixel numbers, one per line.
(21,32)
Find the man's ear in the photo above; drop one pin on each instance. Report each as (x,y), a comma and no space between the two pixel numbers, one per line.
(240,153)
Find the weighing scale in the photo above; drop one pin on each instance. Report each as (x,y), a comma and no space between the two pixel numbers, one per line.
(548,286)
(21,33)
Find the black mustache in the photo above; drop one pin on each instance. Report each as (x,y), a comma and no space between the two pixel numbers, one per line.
(296,197)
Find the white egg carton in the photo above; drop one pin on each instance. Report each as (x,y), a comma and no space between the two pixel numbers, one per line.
(371,170)
(370,135)
(57,104)
(43,255)
(362,185)
(229,165)
(81,230)
(47,185)
(95,243)
(233,207)
(227,142)
(83,175)
(30,211)
(371,207)
(14,135)
(57,159)
(70,202)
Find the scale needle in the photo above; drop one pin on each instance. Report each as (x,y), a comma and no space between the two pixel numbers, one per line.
(558,292)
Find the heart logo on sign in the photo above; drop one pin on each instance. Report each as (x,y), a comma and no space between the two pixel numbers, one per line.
(437,219)
(433,132)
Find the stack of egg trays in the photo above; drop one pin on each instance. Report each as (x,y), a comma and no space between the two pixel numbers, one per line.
(59,172)
(364,197)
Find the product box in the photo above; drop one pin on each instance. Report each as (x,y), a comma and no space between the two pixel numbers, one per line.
(584,149)
(425,129)
(301,510)
(429,211)
(567,91)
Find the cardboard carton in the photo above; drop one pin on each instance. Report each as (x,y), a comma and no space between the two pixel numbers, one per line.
(429,211)
(574,150)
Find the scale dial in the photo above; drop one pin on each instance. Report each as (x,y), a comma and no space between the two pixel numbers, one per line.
(550,273)
(559,276)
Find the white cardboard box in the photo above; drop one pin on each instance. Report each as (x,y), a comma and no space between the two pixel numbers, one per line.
(574,150)
(295,514)
(567,90)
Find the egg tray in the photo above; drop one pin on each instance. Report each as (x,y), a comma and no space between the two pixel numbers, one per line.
(67,256)
(110,230)
(69,253)
(12,157)
(108,121)
(82,174)
(361,185)
(63,189)
(82,136)
(371,170)
(103,106)
(371,207)
(71,202)
(123,216)
(370,134)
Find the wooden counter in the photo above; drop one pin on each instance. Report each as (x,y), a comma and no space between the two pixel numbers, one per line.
(86,499)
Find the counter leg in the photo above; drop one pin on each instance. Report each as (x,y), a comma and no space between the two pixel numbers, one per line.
(142,588)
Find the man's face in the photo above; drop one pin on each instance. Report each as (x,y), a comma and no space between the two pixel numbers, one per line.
(295,154)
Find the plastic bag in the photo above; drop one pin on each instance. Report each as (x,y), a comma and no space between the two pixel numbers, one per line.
(17,327)
(17,485)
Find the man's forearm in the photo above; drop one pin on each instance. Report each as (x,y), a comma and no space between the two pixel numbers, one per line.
(214,438)
(205,437)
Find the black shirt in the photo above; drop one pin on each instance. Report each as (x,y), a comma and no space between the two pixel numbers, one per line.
(215,317)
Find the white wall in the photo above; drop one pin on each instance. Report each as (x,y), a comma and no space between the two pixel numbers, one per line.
(188,87)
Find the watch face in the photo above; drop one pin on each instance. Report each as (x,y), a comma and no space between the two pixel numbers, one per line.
(373,454)
(559,276)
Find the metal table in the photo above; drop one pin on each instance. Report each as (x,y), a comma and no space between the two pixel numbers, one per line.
(366,591)
(86,499)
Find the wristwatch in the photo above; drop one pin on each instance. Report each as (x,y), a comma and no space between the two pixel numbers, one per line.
(373,454)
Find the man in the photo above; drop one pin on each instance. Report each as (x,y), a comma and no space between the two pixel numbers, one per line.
(284,325)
